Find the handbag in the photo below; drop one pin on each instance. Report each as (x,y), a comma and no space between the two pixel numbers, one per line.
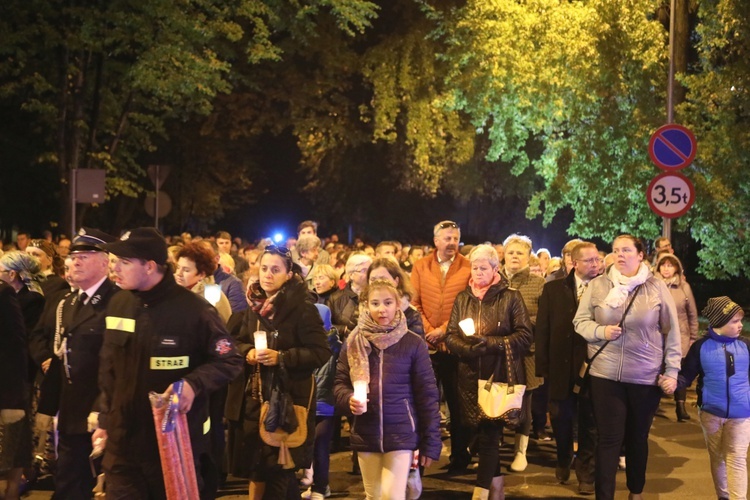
(581,383)
(499,400)
(278,437)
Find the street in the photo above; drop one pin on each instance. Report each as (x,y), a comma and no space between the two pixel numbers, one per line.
(677,469)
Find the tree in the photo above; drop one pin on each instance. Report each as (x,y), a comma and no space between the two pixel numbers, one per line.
(102,80)
(587,80)
(717,109)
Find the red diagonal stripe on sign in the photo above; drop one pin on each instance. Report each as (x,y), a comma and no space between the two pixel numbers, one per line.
(672,147)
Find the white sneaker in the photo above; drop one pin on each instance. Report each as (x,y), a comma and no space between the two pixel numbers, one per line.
(309,494)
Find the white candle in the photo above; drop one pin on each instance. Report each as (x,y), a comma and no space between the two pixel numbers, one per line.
(467,326)
(261,341)
(360,392)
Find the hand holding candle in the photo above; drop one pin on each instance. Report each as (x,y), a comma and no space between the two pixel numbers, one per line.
(360,396)
(261,341)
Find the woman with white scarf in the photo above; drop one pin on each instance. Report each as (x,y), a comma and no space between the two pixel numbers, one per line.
(632,351)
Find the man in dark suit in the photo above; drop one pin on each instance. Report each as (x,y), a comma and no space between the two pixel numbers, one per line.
(72,387)
(560,352)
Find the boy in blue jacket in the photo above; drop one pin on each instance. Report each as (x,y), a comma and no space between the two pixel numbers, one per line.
(721,361)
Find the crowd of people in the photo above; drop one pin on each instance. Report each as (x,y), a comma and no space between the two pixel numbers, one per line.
(272,350)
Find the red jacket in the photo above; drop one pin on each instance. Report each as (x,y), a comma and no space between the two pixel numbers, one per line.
(433,297)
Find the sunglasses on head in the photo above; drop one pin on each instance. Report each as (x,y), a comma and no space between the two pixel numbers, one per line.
(278,250)
(447,224)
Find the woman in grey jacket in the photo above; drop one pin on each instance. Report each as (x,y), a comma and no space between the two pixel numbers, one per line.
(632,349)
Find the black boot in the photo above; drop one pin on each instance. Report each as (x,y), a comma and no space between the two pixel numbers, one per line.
(682,414)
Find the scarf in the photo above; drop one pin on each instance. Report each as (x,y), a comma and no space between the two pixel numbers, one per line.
(258,301)
(624,285)
(369,332)
(480,291)
(672,282)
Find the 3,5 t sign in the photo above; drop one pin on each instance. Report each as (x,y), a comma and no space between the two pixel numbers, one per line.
(670,194)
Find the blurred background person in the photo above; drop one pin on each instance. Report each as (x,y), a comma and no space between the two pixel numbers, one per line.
(324,280)
(23,273)
(344,303)
(554,265)
(518,275)
(194,271)
(52,266)
(387,269)
(544,257)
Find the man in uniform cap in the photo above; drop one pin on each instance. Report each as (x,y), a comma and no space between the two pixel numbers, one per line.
(70,388)
(157,333)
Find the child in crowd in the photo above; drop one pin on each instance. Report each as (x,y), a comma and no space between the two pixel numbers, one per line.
(399,413)
(721,361)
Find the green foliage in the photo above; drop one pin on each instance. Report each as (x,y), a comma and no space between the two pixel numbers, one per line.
(103,80)
(580,78)
(718,111)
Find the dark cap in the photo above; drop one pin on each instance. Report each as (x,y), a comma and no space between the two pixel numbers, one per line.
(720,310)
(90,240)
(140,243)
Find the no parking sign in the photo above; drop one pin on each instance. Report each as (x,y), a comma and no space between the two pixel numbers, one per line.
(672,147)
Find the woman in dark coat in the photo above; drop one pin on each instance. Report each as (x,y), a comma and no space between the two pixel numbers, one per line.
(344,303)
(398,410)
(498,313)
(281,307)
(15,452)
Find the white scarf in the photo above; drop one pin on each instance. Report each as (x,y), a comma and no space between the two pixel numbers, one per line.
(624,285)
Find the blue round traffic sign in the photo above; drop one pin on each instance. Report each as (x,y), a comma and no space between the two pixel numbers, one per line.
(672,147)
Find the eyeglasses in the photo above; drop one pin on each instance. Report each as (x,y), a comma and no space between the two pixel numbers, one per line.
(278,250)
(447,224)
(592,260)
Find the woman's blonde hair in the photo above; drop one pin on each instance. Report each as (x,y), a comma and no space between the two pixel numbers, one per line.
(518,239)
(325,270)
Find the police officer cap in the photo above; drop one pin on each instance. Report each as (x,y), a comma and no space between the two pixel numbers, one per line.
(140,243)
(90,240)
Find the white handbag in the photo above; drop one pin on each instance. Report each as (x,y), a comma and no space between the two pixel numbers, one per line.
(500,400)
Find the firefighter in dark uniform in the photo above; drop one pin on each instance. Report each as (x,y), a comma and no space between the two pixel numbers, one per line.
(157,333)
(70,388)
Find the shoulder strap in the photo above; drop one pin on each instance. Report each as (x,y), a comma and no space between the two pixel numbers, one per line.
(508,360)
(625,313)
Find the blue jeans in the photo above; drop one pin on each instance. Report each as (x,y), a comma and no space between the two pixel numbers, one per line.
(322,452)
